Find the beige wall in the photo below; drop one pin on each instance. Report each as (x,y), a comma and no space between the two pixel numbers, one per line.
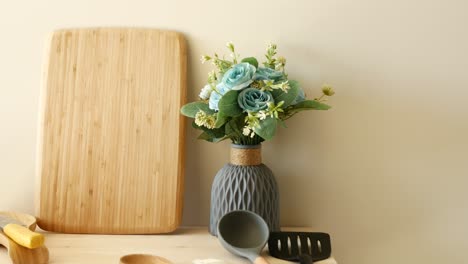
(385,172)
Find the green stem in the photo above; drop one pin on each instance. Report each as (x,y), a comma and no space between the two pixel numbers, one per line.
(320,98)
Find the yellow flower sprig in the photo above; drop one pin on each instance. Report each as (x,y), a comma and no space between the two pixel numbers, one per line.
(203,119)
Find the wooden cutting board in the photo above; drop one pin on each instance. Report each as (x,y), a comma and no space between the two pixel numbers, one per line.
(111,140)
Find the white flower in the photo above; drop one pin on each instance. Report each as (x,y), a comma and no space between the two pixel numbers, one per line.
(283,86)
(252,120)
(262,115)
(246,131)
(271,46)
(206,92)
(205,58)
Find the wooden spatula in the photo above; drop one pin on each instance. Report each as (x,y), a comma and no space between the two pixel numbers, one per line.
(20,254)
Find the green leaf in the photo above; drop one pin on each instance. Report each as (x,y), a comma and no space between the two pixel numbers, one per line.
(288,97)
(216,140)
(251,60)
(212,133)
(268,65)
(191,109)
(215,132)
(228,105)
(195,125)
(310,105)
(208,137)
(267,129)
(205,136)
(221,119)
(234,126)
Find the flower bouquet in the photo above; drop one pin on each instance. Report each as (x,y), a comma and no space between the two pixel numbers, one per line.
(245,102)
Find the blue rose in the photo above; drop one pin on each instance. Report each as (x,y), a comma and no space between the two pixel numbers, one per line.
(254,100)
(239,76)
(268,74)
(216,95)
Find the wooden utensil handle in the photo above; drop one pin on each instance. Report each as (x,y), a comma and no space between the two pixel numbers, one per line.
(260,260)
(23,236)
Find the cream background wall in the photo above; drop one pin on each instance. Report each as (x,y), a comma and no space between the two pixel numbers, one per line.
(385,171)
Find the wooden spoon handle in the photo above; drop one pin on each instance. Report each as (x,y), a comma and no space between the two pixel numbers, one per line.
(23,236)
(22,255)
(260,260)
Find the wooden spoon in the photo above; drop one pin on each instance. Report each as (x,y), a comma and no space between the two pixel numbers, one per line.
(143,259)
(19,254)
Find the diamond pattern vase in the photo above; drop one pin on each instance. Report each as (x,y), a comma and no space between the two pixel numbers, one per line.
(245,184)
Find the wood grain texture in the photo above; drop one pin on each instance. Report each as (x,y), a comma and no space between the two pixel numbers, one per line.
(261,260)
(111,140)
(181,247)
(19,254)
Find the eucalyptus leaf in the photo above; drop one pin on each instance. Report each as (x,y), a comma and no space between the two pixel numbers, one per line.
(191,109)
(216,140)
(286,97)
(221,119)
(215,132)
(194,125)
(309,105)
(234,127)
(267,129)
(208,137)
(205,136)
(251,60)
(228,105)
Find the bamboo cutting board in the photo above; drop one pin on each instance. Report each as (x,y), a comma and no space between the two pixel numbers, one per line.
(111,140)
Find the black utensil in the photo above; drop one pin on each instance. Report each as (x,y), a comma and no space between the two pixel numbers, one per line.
(305,247)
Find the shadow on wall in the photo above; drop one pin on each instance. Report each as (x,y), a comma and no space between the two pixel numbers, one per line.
(372,171)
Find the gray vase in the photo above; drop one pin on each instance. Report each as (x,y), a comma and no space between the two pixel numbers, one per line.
(245,184)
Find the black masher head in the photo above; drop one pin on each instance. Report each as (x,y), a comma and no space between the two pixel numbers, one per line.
(305,247)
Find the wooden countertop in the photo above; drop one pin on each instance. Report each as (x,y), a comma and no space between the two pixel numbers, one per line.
(183,246)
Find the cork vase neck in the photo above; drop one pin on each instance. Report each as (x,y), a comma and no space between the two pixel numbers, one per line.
(245,183)
(246,155)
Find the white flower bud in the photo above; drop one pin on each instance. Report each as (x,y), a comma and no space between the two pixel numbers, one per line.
(246,131)
(205,58)
(206,92)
